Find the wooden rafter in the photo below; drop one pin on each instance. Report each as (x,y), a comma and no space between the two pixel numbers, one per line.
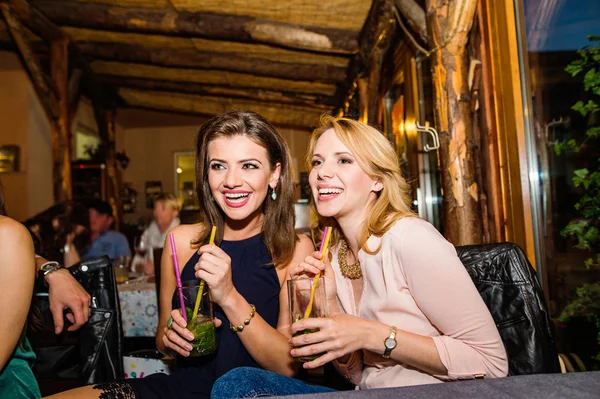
(374,34)
(211,26)
(279,114)
(41,82)
(249,93)
(36,21)
(197,60)
(222,78)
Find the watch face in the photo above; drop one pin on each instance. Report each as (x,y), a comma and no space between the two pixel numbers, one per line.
(390,343)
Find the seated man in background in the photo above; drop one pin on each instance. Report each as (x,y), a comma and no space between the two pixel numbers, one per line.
(104,241)
(166,217)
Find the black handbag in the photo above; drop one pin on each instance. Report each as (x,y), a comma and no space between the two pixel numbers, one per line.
(91,354)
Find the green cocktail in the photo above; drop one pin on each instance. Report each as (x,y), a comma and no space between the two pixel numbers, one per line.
(205,335)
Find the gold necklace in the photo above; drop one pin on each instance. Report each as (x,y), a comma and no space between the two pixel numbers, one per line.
(354,271)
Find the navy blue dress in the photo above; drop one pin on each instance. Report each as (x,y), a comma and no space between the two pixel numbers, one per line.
(256,280)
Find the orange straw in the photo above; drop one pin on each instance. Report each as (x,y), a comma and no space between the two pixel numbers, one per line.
(323,250)
(197,304)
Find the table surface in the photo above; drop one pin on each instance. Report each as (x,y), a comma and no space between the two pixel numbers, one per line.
(570,385)
(139,310)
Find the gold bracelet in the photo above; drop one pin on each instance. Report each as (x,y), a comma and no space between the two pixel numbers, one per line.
(246,322)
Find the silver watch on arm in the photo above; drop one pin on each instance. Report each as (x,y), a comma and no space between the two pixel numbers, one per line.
(390,343)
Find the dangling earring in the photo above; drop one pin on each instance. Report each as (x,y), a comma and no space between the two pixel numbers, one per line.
(273,194)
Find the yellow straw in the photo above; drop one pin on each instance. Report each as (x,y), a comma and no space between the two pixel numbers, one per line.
(197,304)
(314,284)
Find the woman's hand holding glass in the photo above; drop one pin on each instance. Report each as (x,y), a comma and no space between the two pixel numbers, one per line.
(305,345)
(177,337)
(214,267)
(337,335)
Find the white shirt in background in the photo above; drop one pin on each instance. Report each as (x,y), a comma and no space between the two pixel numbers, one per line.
(154,239)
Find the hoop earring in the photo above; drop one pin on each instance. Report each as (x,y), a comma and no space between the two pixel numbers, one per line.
(273,194)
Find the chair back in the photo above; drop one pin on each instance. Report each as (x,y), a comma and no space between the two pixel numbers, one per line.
(157,253)
(510,289)
(91,354)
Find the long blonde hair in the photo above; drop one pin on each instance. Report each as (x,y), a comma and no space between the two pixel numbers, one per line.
(376,156)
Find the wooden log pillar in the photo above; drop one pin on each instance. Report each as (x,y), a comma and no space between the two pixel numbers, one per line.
(362,87)
(111,167)
(41,83)
(449,23)
(52,91)
(376,39)
(61,131)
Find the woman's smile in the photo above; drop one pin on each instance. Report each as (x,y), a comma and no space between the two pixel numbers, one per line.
(236,198)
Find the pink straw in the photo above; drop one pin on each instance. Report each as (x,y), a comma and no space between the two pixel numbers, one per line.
(178,276)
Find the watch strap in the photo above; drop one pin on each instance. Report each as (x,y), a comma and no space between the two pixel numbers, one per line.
(50,267)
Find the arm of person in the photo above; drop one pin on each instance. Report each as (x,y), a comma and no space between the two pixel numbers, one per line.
(269,347)
(71,256)
(469,345)
(17,275)
(65,293)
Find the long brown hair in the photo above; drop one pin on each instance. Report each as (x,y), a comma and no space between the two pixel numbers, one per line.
(376,156)
(279,218)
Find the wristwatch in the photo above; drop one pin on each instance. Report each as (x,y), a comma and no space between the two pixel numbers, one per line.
(49,267)
(390,343)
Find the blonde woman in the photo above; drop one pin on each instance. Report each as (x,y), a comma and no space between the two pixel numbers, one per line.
(404,309)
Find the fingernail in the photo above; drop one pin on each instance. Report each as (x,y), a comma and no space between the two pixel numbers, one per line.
(188,347)
(57,330)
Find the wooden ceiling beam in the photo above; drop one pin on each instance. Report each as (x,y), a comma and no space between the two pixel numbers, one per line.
(374,35)
(36,21)
(42,84)
(278,114)
(211,26)
(248,93)
(211,77)
(197,60)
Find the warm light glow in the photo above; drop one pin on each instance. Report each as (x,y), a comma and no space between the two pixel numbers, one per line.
(409,127)
(179,170)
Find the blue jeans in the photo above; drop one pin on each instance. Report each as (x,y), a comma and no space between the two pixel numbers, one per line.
(250,382)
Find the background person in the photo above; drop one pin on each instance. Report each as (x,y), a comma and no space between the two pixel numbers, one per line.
(166,217)
(104,241)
